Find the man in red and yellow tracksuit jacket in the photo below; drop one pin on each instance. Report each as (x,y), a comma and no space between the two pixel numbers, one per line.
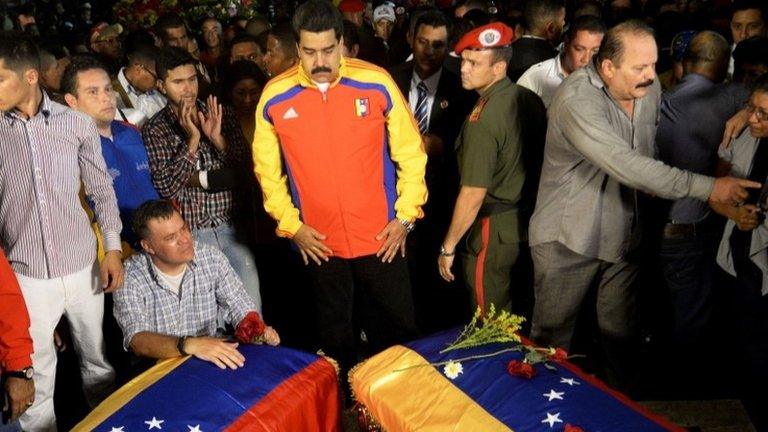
(341,164)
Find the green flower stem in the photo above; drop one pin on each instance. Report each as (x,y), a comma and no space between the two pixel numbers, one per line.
(474,357)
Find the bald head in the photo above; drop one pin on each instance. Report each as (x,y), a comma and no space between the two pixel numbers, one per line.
(707,55)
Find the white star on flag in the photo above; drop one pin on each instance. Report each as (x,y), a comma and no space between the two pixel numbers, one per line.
(569,381)
(194,429)
(552,395)
(120,429)
(154,423)
(552,419)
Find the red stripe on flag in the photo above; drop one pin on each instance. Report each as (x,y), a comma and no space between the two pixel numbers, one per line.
(485,224)
(288,406)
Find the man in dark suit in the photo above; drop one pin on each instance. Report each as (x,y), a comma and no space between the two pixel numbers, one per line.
(439,104)
(544,20)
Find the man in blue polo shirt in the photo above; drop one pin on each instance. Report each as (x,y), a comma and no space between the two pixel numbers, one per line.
(87,88)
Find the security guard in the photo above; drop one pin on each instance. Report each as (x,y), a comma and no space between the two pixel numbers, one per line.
(499,153)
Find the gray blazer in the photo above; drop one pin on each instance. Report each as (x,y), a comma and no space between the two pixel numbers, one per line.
(741,153)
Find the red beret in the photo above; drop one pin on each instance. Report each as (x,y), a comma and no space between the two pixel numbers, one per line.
(492,35)
(351,6)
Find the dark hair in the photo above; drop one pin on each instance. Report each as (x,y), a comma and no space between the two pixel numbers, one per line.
(612,46)
(433,18)
(351,36)
(242,38)
(168,21)
(538,13)
(586,23)
(153,209)
(742,5)
(256,23)
(752,51)
(760,85)
(286,37)
(501,54)
(588,8)
(169,59)
(54,47)
(79,63)
(137,39)
(18,52)
(143,55)
(261,39)
(238,71)
(477,17)
(317,16)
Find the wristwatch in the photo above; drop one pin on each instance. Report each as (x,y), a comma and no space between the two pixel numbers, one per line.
(445,253)
(409,226)
(27,373)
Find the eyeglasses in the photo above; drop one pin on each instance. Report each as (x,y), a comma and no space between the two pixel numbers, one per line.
(146,69)
(759,113)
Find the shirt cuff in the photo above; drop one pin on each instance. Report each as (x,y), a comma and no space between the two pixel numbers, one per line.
(288,228)
(112,242)
(701,187)
(17,364)
(202,176)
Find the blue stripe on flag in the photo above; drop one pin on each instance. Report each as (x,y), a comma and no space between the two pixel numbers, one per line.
(197,393)
(520,403)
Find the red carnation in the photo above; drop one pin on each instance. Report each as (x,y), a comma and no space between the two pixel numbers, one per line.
(560,355)
(250,328)
(521,369)
(571,428)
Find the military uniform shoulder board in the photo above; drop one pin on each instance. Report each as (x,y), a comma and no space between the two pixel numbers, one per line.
(475,115)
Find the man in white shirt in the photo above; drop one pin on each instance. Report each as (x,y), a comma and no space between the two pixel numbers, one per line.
(136,86)
(582,41)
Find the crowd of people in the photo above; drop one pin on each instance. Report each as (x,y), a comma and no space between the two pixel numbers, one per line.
(389,167)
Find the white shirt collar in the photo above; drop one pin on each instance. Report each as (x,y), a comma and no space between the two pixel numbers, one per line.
(127,85)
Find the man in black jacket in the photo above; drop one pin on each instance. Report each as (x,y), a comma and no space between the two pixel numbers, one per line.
(439,105)
(544,20)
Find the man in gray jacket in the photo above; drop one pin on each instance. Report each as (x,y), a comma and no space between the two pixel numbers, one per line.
(598,154)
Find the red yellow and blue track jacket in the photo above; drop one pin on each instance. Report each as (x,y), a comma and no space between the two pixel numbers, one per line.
(353,157)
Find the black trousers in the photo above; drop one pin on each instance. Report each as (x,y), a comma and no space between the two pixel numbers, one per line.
(362,293)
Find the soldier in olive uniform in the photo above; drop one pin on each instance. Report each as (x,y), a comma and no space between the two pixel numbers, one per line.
(499,152)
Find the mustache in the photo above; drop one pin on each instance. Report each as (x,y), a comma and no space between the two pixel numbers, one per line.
(321,69)
(645,84)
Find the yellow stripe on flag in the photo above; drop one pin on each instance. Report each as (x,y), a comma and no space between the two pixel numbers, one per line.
(417,399)
(127,392)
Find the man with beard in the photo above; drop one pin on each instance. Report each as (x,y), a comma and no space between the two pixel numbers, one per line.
(602,124)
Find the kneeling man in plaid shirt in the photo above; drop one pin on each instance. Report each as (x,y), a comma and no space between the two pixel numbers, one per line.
(175,291)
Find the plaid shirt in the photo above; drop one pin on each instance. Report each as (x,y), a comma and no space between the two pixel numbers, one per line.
(208,287)
(172,165)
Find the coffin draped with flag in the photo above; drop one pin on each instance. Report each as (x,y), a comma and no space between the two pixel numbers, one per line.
(485,397)
(278,389)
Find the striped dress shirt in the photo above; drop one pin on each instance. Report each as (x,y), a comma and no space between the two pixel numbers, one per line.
(44,228)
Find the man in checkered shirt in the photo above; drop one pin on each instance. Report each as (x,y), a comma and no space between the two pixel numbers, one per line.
(175,291)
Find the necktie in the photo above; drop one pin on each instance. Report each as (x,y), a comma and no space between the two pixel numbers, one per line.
(421,113)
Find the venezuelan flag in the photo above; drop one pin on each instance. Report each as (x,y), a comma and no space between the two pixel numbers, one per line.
(485,397)
(278,389)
